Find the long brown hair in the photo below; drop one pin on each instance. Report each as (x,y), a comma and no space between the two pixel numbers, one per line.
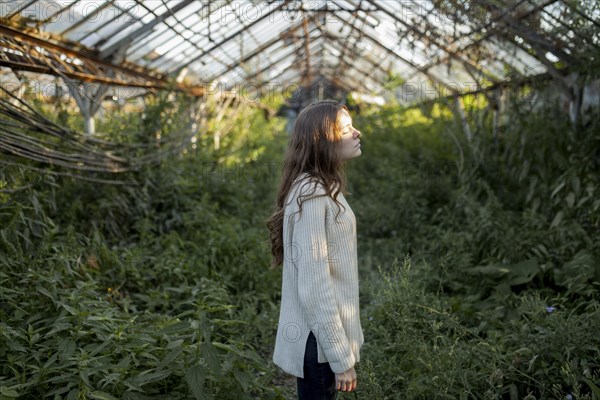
(312,149)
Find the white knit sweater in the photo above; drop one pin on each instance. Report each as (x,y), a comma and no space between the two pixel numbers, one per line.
(320,282)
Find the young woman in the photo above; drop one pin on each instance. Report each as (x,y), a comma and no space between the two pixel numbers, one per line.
(313,234)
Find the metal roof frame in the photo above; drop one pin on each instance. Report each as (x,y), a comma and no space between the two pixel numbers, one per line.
(146,43)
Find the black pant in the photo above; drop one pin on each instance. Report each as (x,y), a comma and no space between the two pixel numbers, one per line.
(319,380)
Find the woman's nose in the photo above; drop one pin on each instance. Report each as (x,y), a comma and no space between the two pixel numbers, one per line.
(356,133)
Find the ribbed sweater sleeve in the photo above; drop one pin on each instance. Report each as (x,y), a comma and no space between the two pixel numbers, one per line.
(315,285)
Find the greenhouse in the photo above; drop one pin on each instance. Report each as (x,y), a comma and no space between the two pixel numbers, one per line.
(147,148)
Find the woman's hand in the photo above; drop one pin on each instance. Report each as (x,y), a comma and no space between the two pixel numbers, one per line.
(346,381)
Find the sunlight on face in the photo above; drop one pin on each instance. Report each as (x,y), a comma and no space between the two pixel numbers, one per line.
(349,141)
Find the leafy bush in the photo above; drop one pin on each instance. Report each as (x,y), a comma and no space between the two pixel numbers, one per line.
(162,289)
(131,292)
(422,350)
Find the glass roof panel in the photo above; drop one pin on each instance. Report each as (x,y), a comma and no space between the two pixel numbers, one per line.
(419,40)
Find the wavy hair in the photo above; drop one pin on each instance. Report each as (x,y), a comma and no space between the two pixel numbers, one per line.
(313,149)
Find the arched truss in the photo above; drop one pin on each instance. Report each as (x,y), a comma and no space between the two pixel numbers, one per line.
(451,46)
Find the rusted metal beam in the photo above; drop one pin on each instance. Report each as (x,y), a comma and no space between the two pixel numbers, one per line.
(330,77)
(274,63)
(306,76)
(271,65)
(30,53)
(353,28)
(344,62)
(260,49)
(55,47)
(80,76)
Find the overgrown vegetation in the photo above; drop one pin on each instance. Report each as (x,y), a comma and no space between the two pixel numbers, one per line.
(479,264)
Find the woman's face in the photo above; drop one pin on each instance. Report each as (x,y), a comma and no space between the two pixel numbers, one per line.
(349,142)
